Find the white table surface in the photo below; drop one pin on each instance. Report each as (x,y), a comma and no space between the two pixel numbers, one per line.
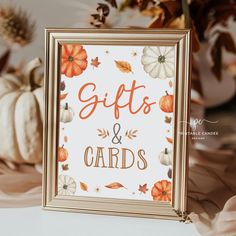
(34,221)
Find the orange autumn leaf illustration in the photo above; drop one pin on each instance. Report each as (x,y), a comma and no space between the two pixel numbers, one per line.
(168,119)
(83,186)
(95,62)
(143,188)
(170,140)
(103,133)
(114,185)
(161,191)
(63,96)
(65,167)
(65,139)
(73,60)
(124,66)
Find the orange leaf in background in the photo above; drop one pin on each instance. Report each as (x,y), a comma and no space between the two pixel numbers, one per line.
(124,66)
(65,139)
(73,60)
(170,140)
(83,186)
(157,21)
(63,96)
(161,191)
(143,188)
(95,62)
(114,185)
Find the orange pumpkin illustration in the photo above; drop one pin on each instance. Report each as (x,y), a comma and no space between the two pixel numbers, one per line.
(73,60)
(161,191)
(167,103)
(62,154)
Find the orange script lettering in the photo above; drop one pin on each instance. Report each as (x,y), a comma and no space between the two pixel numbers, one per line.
(92,101)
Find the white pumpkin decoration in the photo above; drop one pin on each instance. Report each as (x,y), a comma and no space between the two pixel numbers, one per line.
(158,62)
(66,114)
(21,116)
(166,157)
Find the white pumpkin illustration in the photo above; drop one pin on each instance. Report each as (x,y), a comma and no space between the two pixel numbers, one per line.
(66,113)
(159,62)
(165,157)
(66,185)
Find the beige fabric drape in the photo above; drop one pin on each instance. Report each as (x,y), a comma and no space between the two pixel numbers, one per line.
(20,187)
(212,192)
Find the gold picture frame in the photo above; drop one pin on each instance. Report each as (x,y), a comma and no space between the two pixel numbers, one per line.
(181,41)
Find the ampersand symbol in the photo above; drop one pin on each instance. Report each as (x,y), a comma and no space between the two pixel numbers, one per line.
(116,130)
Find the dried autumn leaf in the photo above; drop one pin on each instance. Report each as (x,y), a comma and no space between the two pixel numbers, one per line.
(65,139)
(99,18)
(177,23)
(195,39)
(112,2)
(124,66)
(65,167)
(62,86)
(223,41)
(171,6)
(114,185)
(63,96)
(4,60)
(157,22)
(83,186)
(143,188)
(167,119)
(170,140)
(152,11)
(171,10)
(142,4)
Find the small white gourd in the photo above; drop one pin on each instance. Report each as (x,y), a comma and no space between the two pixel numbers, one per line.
(66,114)
(165,157)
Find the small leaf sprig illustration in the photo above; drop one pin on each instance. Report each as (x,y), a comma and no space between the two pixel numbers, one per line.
(124,66)
(103,133)
(130,134)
